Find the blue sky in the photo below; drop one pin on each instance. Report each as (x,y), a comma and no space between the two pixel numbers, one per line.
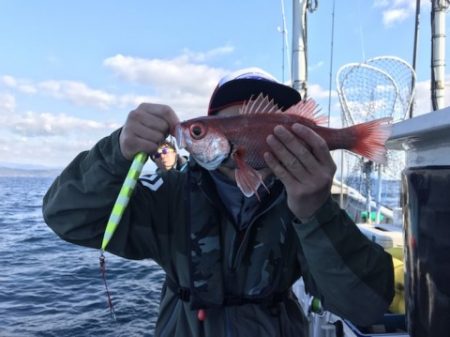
(70,71)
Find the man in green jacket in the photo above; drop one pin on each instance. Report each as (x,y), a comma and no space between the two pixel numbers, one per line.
(230,260)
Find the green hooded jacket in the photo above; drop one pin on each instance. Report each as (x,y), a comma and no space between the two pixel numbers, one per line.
(240,279)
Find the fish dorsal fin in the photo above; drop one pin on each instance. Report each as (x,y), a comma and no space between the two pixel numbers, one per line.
(259,105)
(262,104)
(309,110)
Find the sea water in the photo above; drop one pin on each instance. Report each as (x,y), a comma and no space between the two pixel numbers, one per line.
(49,287)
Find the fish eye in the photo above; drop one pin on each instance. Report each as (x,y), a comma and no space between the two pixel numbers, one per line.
(197,131)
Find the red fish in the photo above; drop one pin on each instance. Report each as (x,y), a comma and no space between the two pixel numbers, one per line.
(239,141)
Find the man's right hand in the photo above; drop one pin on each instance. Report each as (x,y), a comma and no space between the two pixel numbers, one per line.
(145,128)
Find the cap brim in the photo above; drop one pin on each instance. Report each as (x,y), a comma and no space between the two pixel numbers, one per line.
(240,90)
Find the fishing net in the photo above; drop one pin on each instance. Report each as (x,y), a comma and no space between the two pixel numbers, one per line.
(380,87)
(404,78)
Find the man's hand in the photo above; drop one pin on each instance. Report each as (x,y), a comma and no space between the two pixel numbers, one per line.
(145,128)
(300,158)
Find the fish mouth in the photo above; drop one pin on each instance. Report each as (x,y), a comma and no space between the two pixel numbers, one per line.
(211,165)
(181,141)
(229,163)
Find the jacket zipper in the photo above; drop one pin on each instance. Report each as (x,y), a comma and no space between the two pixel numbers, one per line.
(233,268)
(237,256)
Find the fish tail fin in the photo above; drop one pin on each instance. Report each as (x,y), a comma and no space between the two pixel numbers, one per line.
(371,138)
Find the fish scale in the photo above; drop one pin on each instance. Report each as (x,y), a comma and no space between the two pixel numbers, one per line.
(249,132)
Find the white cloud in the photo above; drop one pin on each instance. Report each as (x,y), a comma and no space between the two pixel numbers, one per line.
(166,76)
(8,81)
(422,103)
(50,152)
(191,56)
(129,100)
(77,93)
(380,3)
(32,124)
(317,92)
(316,66)
(181,82)
(394,15)
(396,11)
(47,139)
(7,103)
(24,86)
(55,138)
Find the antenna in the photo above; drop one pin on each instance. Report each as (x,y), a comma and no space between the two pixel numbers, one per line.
(283,31)
(331,62)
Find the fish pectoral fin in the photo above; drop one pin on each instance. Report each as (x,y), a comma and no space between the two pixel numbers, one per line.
(247,178)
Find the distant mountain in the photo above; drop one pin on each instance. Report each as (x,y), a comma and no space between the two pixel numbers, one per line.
(6,171)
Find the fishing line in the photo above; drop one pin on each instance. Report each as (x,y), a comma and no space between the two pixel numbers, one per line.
(108,294)
(361,33)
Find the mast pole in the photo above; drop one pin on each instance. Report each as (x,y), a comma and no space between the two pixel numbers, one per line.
(438,53)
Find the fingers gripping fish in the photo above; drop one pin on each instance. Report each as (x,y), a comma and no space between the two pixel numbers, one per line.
(239,141)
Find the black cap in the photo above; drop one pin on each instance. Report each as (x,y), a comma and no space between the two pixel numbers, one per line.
(240,86)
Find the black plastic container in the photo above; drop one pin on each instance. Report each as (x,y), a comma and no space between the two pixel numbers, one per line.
(426,203)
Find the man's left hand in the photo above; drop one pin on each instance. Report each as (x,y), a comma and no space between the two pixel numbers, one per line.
(300,158)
